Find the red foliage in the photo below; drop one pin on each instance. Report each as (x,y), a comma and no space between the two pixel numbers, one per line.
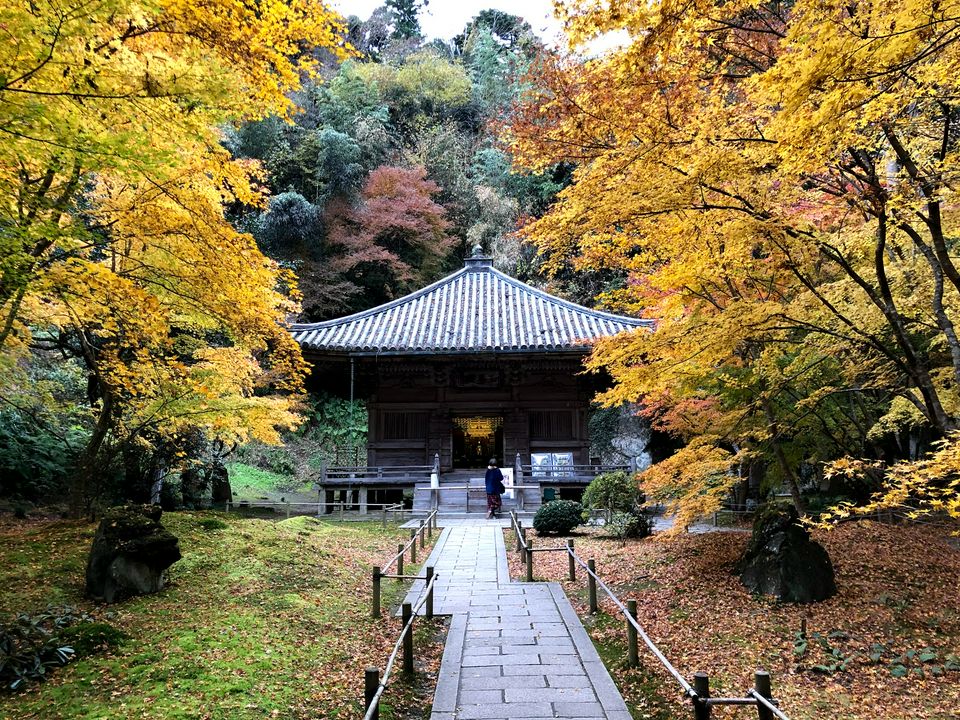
(397,238)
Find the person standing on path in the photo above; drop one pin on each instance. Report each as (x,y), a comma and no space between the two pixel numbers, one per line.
(495,488)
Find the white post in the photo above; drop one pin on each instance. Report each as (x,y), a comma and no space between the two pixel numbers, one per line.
(363,500)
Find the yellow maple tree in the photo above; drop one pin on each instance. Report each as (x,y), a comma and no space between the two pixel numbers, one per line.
(777,179)
(114,247)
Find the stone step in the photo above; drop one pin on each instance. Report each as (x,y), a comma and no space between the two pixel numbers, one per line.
(457,500)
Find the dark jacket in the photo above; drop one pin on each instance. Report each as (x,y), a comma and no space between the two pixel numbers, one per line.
(494,481)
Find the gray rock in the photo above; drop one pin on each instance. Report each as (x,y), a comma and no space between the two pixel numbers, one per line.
(130,552)
(783,561)
(221,492)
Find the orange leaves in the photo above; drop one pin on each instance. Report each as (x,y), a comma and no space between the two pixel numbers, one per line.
(398,225)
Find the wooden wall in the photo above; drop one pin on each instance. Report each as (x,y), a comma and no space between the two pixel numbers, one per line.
(412,402)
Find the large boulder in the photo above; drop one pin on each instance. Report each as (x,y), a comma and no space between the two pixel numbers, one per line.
(783,561)
(130,552)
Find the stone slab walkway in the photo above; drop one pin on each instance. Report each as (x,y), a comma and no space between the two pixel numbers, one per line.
(514,650)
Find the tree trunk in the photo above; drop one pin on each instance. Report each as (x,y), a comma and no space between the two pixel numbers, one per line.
(157,485)
(791,477)
(82,483)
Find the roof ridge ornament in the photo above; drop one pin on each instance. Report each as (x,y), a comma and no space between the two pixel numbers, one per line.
(477,260)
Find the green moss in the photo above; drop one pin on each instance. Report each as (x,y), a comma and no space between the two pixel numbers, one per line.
(90,637)
(259,619)
(211,524)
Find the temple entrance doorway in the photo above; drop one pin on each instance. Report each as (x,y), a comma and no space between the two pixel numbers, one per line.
(476,440)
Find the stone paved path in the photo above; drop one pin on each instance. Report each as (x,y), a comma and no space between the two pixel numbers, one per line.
(514,650)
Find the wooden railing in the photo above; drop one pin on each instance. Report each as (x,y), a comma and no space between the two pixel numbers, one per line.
(365,475)
(420,534)
(759,696)
(569,472)
(373,685)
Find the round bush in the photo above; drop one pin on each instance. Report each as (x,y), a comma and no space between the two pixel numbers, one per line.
(612,491)
(558,516)
(212,524)
(638,523)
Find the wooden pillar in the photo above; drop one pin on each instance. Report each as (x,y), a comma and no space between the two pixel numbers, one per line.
(363,500)
(701,683)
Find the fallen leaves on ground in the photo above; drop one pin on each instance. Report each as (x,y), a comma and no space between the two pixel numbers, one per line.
(897,612)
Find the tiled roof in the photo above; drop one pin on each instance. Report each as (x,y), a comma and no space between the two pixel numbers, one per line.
(476,309)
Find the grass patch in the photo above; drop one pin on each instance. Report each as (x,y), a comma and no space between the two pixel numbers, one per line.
(253,484)
(259,619)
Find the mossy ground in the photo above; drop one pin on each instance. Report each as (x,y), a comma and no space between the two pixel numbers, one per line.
(252,483)
(259,619)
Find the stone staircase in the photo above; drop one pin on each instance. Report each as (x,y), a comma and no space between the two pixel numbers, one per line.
(469,502)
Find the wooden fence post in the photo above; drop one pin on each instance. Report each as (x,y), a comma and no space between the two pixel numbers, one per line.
(701,684)
(423,540)
(400,552)
(429,605)
(376,592)
(632,651)
(371,683)
(761,683)
(413,546)
(573,563)
(430,526)
(592,586)
(519,534)
(405,614)
(523,538)
(529,561)
(384,522)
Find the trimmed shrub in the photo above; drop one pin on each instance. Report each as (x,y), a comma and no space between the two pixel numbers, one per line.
(638,523)
(558,516)
(615,491)
(212,524)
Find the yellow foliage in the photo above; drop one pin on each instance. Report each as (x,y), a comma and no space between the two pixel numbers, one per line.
(779,182)
(694,482)
(918,487)
(114,183)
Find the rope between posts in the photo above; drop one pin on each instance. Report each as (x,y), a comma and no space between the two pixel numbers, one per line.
(753,696)
(562,548)
(687,688)
(428,588)
(406,547)
(766,702)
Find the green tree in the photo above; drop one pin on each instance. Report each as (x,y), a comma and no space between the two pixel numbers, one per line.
(404,16)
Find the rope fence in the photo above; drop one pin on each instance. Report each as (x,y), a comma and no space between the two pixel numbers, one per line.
(374,686)
(338,508)
(759,696)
